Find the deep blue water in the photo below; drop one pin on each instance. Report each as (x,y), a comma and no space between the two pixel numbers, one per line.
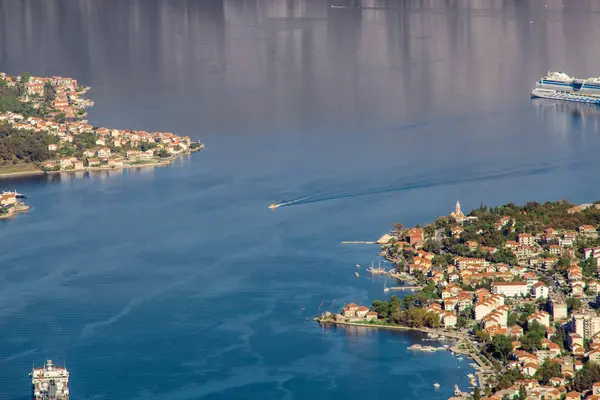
(179,283)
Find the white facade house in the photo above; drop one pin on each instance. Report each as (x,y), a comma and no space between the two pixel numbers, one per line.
(510,289)
(540,290)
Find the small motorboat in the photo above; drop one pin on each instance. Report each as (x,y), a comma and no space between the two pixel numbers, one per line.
(436,385)
(273,206)
(356,273)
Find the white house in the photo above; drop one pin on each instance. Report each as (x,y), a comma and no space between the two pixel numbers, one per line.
(510,289)
(540,290)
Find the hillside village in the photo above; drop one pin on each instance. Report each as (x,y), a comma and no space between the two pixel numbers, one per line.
(520,283)
(54,110)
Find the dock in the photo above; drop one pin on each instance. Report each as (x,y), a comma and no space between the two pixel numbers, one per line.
(357,242)
(405,287)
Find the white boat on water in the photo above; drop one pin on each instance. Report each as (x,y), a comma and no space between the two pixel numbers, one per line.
(15,193)
(436,385)
(560,86)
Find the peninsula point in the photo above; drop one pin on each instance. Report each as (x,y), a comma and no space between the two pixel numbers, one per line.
(517,288)
(44,128)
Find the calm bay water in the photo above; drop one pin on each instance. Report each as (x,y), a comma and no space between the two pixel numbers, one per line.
(178,283)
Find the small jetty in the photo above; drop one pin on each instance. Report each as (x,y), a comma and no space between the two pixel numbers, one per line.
(356,242)
(418,347)
(411,288)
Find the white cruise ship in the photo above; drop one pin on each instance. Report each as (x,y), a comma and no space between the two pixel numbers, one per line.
(560,86)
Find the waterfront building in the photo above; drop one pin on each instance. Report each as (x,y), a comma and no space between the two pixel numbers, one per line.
(510,289)
(8,199)
(415,236)
(449,319)
(50,382)
(353,313)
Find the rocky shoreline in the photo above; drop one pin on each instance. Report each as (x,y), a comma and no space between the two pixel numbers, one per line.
(158,163)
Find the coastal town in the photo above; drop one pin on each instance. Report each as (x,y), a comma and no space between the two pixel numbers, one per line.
(51,113)
(516,287)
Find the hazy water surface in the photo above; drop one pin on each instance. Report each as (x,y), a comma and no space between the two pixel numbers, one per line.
(178,283)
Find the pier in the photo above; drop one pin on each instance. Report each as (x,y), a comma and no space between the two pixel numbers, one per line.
(405,287)
(357,242)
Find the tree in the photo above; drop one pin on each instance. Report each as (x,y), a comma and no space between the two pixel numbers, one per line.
(547,371)
(508,378)
(512,319)
(586,377)
(382,308)
(20,146)
(162,153)
(559,337)
(432,246)
(573,303)
(25,76)
(476,394)
(145,146)
(501,347)
(432,320)
(532,340)
(441,260)
(49,91)
(9,102)
(522,393)
(482,335)
(398,227)
(462,322)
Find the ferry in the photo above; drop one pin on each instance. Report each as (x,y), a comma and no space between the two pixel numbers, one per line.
(49,382)
(560,86)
